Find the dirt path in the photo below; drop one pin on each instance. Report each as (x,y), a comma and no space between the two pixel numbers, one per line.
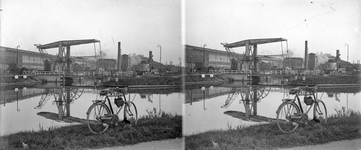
(339,145)
(171,144)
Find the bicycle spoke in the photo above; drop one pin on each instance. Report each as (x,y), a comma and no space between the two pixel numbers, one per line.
(130,113)
(320,112)
(95,116)
(285,111)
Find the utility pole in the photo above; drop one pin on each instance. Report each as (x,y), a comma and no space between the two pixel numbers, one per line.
(204,58)
(17,56)
(180,64)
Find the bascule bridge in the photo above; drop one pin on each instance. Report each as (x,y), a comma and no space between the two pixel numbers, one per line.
(249,61)
(63,57)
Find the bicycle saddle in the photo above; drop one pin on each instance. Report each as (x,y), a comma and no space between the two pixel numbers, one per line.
(295,90)
(104,92)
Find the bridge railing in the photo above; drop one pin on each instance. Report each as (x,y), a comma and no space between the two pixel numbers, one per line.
(229,72)
(82,73)
(271,72)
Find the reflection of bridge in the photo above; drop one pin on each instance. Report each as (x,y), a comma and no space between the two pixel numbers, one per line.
(14,94)
(249,96)
(195,95)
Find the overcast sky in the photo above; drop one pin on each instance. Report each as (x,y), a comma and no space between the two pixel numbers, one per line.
(140,25)
(327,24)
(143,24)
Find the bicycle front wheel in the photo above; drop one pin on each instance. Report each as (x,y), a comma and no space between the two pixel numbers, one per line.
(97,117)
(285,113)
(130,113)
(320,112)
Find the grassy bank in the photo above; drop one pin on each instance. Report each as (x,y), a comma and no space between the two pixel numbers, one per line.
(331,79)
(147,80)
(343,126)
(149,128)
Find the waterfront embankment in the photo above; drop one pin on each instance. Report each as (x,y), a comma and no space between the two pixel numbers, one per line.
(143,81)
(343,126)
(328,80)
(149,128)
(18,80)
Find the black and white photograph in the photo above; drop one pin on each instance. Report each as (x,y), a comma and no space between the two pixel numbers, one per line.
(276,74)
(91,74)
(180,74)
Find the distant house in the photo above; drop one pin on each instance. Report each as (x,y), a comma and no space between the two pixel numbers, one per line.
(107,64)
(293,62)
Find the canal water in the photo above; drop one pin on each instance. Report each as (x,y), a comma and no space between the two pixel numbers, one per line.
(204,108)
(228,106)
(21,108)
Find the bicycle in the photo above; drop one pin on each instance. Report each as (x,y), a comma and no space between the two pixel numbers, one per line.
(100,116)
(290,114)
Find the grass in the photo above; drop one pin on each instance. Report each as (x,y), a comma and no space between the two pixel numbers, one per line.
(343,126)
(149,128)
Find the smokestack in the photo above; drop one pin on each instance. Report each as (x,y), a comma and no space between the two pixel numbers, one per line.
(119,57)
(150,57)
(306,55)
(337,56)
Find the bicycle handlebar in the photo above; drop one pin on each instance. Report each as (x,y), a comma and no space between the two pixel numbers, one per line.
(114,90)
(303,88)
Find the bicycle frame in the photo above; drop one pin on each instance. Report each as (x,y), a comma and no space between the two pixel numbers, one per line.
(311,92)
(110,104)
(291,113)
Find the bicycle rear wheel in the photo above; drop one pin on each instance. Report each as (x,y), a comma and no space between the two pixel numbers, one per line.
(284,113)
(130,113)
(320,112)
(97,117)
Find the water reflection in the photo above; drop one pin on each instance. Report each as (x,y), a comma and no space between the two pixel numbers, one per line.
(226,106)
(63,97)
(50,105)
(249,96)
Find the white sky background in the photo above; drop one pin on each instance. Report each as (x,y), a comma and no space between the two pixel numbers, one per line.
(140,25)
(143,24)
(326,25)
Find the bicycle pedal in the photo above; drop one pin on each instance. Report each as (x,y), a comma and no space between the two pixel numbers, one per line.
(296,116)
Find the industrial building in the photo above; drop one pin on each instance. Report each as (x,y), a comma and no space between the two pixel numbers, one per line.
(293,62)
(12,58)
(197,58)
(106,64)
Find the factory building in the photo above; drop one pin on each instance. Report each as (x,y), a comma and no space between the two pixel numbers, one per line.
(199,57)
(125,63)
(12,58)
(106,64)
(293,62)
(312,61)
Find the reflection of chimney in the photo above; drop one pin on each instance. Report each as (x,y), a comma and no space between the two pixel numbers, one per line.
(306,55)
(119,57)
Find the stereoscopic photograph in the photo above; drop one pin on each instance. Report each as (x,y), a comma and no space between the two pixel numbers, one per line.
(180,74)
